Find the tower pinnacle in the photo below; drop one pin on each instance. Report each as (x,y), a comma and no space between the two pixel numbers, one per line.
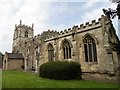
(32,25)
(20,21)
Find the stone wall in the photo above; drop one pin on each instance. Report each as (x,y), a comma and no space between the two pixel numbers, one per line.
(14,64)
(101,30)
(100,77)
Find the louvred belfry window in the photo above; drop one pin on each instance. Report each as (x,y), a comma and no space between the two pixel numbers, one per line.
(26,33)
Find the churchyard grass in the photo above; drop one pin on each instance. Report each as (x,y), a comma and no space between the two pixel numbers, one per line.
(0,79)
(21,79)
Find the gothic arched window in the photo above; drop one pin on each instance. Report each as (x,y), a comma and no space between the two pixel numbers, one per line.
(26,33)
(66,50)
(90,49)
(50,52)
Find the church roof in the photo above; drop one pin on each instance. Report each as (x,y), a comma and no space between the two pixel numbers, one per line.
(15,56)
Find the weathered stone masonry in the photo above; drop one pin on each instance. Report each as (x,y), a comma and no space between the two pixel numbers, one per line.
(88,44)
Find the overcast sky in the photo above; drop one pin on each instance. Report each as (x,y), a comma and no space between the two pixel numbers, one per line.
(46,15)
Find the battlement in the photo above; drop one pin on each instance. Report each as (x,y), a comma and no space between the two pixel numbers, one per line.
(23,26)
(47,34)
(77,28)
(50,32)
(90,24)
(81,27)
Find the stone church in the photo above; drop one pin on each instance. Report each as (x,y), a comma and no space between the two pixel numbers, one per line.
(89,44)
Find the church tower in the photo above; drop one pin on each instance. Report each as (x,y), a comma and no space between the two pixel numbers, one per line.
(21,34)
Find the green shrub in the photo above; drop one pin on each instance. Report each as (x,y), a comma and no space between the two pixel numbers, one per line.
(60,70)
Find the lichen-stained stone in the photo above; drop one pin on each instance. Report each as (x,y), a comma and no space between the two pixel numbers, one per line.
(89,44)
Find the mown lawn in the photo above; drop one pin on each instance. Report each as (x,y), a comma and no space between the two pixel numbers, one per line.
(0,79)
(20,79)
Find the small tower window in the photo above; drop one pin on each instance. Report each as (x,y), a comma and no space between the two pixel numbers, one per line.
(26,33)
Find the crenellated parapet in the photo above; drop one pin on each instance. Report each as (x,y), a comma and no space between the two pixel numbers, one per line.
(48,34)
(78,28)
(91,24)
(23,26)
(51,34)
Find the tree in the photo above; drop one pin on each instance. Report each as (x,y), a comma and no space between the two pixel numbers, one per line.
(112,13)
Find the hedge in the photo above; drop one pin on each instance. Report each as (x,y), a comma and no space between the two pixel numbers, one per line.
(61,70)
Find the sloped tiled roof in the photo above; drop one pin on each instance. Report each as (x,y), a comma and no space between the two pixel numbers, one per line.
(15,56)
